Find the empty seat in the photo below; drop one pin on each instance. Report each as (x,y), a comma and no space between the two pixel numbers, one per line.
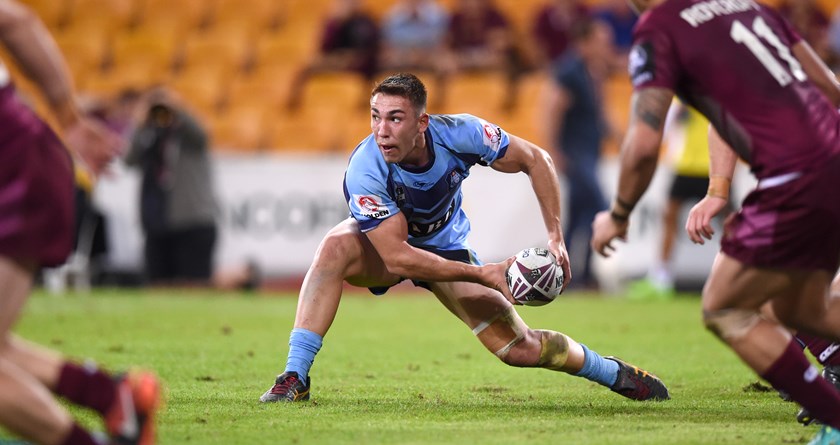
(113,13)
(85,53)
(344,91)
(217,46)
(269,87)
(478,93)
(146,49)
(203,87)
(193,14)
(240,128)
(283,50)
(54,13)
(260,14)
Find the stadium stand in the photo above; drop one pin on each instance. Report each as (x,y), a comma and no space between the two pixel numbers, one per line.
(227,58)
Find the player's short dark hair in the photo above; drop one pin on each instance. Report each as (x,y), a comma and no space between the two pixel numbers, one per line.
(405,85)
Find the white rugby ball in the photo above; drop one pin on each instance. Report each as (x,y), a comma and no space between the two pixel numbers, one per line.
(534,278)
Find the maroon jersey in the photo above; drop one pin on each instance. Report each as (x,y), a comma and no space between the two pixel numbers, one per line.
(732,61)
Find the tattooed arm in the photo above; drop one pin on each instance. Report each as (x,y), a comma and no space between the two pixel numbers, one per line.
(640,148)
(639,156)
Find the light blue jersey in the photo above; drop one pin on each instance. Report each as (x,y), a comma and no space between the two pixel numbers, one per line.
(429,196)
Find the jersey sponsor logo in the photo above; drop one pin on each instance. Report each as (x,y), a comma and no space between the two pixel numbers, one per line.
(640,63)
(491,135)
(702,12)
(418,229)
(371,206)
(831,349)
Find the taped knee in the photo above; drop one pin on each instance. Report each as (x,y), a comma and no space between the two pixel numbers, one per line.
(554,350)
(505,330)
(730,324)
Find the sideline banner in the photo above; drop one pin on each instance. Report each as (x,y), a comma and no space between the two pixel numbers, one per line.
(275,209)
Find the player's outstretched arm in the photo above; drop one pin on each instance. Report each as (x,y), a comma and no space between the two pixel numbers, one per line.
(390,239)
(817,71)
(722,161)
(524,156)
(639,156)
(34,50)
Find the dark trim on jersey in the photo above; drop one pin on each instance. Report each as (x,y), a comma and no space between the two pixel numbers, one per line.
(430,145)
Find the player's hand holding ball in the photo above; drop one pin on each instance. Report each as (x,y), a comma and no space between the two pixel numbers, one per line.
(534,278)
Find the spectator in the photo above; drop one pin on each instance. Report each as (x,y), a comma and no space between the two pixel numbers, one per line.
(481,39)
(552,25)
(622,19)
(575,122)
(349,42)
(413,35)
(177,203)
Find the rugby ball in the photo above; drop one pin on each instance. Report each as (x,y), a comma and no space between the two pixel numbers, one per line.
(534,278)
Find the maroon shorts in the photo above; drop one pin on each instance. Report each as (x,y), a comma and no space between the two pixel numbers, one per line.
(795,225)
(36,187)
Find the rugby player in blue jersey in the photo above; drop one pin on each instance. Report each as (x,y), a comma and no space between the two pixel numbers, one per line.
(403,187)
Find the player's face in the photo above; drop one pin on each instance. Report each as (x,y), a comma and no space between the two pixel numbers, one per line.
(398,129)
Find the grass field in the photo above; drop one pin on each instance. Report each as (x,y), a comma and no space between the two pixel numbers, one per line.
(401,370)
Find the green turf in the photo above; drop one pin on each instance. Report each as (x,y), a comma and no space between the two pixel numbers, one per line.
(401,370)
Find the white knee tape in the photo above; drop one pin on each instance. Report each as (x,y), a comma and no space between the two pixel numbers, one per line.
(731,324)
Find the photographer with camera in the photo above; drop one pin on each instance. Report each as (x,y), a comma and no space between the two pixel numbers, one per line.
(178,204)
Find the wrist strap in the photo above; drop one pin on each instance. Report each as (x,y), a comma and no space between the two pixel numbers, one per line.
(719,187)
(618,217)
(624,204)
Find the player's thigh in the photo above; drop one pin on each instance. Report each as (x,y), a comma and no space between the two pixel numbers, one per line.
(794,294)
(485,311)
(348,249)
(15,285)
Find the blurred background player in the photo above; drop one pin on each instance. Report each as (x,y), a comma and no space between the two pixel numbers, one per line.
(574,120)
(773,103)
(403,186)
(36,230)
(689,185)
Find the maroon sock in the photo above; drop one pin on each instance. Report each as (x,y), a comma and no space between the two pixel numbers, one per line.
(795,375)
(79,436)
(86,386)
(824,350)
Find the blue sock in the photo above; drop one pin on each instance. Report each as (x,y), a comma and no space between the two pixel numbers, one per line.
(303,345)
(597,368)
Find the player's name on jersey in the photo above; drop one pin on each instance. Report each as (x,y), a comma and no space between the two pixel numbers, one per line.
(702,12)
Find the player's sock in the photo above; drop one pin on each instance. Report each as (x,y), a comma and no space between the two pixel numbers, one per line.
(795,375)
(303,345)
(87,386)
(597,368)
(79,436)
(824,350)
